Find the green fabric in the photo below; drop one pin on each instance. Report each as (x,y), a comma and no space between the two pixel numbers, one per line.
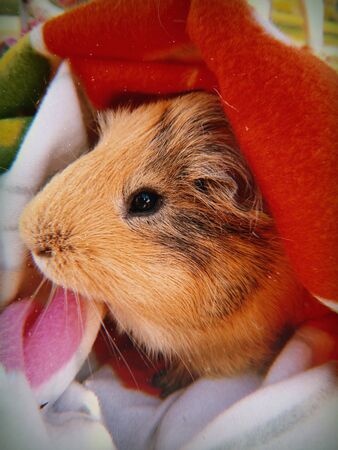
(12,132)
(24,75)
(10,7)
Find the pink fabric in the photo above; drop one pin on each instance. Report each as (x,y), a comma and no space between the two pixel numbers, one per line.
(40,341)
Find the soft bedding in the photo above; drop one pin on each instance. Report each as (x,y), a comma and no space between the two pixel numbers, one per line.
(46,122)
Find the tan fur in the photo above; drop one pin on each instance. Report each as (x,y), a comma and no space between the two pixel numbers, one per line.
(203,280)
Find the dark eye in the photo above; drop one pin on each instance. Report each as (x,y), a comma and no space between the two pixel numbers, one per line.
(145,202)
(201,185)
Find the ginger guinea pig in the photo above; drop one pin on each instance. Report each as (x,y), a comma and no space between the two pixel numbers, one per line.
(163,222)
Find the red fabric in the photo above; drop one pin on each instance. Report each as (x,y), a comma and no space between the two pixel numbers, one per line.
(125,29)
(281,101)
(283,106)
(114,77)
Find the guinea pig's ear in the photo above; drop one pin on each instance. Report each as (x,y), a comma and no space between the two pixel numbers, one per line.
(229,177)
(247,194)
(237,188)
(220,173)
(224,166)
(239,178)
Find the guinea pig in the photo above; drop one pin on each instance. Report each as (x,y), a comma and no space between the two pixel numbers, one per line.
(164,222)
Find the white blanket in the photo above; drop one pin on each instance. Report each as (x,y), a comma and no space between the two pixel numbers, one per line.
(298,412)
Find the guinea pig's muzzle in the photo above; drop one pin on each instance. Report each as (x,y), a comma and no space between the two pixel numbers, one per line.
(42,234)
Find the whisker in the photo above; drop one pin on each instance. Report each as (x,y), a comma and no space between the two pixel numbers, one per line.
(80,318)
(37,290)
(142,353)
(120,354)
(106,334)
(66,306)
(45,309)
(179,357)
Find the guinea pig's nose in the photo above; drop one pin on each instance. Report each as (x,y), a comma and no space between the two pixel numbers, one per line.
(44,252)
(50,244)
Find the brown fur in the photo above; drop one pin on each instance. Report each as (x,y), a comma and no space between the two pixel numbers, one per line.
(204,279)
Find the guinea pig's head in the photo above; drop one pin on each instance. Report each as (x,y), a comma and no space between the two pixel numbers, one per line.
(162,221)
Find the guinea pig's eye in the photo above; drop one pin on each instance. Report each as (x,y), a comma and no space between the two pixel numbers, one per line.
(144,202)
(201,185)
